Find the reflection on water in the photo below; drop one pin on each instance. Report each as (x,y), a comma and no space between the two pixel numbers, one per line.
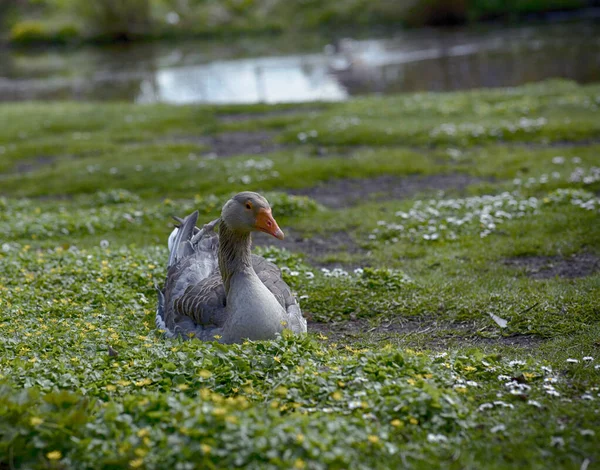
(264,79)
(280,70)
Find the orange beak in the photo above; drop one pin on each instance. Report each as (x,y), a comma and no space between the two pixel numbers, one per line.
(266,223)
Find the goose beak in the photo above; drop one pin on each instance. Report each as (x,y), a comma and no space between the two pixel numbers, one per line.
(266,223)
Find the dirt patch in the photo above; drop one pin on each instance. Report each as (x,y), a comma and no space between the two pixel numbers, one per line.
(547,267)
(314,247)
(228,144)
(348,192)
(422,334)
(238,117)
(33,164)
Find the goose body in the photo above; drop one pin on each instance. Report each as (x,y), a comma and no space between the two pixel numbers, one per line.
(216,289)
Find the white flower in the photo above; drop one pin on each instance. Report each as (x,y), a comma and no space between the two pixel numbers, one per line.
(558,160)
(498,428)
(587,432)
(537,404)
(557,442)
(503,404)
(104,244)
(436,438)
(588,359)
(573,361)
(485,406)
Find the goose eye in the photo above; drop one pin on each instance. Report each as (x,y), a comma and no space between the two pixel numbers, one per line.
(248,206)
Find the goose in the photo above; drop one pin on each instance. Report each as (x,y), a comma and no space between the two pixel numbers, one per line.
(216,289)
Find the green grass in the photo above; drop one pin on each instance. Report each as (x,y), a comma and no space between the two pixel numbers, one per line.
(410,369)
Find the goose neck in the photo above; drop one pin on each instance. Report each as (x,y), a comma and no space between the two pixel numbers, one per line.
(235,255)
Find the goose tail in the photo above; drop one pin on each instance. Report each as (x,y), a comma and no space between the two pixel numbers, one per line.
(180,237)
(160,314)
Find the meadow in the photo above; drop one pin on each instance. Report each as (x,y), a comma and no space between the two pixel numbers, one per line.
(444,248)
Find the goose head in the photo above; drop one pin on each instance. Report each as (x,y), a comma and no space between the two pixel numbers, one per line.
(250,212)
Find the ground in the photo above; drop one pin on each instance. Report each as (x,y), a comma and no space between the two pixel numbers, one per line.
(444,248)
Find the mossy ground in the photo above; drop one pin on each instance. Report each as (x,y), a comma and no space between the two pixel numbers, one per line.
(405,366)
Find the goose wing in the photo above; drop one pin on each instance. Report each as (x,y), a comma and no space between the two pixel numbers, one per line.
(271,277)
(193,298)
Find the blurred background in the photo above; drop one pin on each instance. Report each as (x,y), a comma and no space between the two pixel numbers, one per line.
(249,51)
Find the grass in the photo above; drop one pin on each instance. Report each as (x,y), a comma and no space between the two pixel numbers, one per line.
(405,365)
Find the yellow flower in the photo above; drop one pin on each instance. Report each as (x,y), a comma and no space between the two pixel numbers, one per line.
(396,423)
(35,421)
(277,359)
(470,369)
(413,421)
(299,463)
(217,337)
(183,387)
(143,432)
(337,396)
(411,381)
(322,336)
(141,452)
(54,455)
(219,412)
(205,448)
(299,438)
(461,389)
(373,439)
(281,391)
(110,388)
(232,419)
(137,463)
(205,374)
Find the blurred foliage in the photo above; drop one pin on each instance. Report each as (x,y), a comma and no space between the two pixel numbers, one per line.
(32,32)
(101,20)
(115,19)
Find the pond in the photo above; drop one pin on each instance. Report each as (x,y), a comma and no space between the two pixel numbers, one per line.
(305,68)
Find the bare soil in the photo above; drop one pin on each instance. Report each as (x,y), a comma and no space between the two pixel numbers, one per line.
(238,117)
(228,144)
(546,267)
(423,333)
(314,247)
(32,164)
(348,192)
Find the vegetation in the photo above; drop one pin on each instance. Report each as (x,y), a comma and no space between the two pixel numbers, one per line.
(61,21)
(454,324)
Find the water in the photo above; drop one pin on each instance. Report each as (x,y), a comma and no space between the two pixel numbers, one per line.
(301,69)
